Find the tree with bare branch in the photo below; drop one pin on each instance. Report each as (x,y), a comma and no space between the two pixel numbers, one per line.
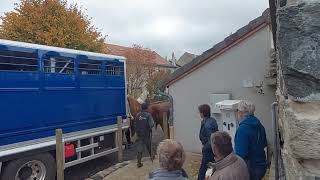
(140,67)
(155,82)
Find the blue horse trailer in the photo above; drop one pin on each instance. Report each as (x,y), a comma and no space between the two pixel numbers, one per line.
(44,88)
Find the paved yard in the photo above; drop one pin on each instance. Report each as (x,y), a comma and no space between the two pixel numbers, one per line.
(129,171)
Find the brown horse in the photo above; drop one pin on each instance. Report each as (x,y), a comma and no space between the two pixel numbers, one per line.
(134,106)
(155,109)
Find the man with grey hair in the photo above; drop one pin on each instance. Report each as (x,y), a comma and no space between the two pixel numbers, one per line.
(171,159)
(228,166)
(250,141)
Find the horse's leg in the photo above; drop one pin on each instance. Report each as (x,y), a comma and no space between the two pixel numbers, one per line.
(156,125)
(161,124)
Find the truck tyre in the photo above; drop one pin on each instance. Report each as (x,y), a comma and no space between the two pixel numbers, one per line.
(37,167)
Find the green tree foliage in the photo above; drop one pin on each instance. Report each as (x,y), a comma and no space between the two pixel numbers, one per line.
(51,22)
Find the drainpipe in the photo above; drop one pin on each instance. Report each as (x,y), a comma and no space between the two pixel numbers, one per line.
(276,144)
(170,120)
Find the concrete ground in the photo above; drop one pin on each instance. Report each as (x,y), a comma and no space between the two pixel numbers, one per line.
(131,171)
(91,168)
(128,169)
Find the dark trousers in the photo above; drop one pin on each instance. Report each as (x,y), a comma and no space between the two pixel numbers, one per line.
(128,136)
(144,142)
(207,156)
(257,173)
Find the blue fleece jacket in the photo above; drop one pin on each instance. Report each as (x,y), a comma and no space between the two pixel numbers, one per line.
(208,126)
(250,141)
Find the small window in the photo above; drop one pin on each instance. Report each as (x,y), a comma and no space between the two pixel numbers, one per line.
(58,65)
(113,70)
(18,61)
(90,67)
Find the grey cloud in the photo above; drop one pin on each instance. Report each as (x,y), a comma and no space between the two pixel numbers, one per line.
(202,22)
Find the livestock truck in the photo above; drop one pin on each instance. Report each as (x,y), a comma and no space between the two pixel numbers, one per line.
(44,88)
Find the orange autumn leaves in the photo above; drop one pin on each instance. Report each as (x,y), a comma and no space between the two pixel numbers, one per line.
(51,22)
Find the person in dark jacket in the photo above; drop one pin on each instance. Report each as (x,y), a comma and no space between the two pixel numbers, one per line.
(250,141)
(208,126)
(171,159)
(143,125)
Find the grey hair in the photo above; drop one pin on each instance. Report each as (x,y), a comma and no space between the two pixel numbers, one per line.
(171,155)
(247,107)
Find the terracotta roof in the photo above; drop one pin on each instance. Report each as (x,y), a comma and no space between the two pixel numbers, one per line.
(221,47)
(123,51)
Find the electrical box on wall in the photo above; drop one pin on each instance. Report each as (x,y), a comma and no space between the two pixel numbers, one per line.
(229,111)
(215,98)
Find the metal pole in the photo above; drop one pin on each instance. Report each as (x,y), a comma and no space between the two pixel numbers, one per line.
(275,139)
(165,125)
(119,138)
(171,132)
(59,155)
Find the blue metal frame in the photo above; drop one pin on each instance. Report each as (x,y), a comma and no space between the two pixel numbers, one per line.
(34,104)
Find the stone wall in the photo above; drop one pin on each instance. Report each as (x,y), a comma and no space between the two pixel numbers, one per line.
(298,52)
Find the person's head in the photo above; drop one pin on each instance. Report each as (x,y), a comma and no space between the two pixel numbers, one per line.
(204,111)
(171,155)
(144,106)
(245,108)
(221,144)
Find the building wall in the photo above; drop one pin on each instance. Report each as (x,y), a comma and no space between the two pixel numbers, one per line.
(247,60)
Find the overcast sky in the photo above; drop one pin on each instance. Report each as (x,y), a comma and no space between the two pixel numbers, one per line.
(167,25)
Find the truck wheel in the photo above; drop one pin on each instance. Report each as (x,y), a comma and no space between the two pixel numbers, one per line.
(38,167)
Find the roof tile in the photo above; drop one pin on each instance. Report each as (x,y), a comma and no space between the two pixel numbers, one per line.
(123,51)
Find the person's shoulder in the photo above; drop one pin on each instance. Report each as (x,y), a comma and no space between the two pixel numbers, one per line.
(211,119)
(241,162)
(243,131)
(145,113)
(243,127)
(210,122)
(138,114)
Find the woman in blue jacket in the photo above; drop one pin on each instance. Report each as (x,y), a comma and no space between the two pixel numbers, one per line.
(208,126)
(250,141)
